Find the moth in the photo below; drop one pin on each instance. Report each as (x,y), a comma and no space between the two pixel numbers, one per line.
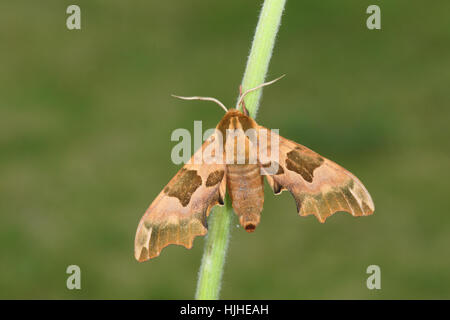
(179,213)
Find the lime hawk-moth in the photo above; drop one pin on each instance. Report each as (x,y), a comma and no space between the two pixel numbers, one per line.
(179,213)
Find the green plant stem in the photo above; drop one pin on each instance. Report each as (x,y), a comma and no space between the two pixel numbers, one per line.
(261,52)
(216,243)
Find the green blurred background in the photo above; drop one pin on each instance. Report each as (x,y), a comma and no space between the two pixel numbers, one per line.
(85,124)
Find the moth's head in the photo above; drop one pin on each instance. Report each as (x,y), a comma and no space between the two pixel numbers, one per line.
(233,113)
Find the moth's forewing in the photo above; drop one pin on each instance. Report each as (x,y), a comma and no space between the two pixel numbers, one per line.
(179,212)
(319,186)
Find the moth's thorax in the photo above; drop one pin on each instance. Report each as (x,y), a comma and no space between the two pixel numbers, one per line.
(235,119)
(237,134)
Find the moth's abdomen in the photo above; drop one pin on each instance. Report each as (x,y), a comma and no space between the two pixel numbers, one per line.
(246,188)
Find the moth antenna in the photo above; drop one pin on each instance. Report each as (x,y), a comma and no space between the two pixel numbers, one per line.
(241,98)
(203,99)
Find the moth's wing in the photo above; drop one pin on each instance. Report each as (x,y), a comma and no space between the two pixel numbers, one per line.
(179,212)
(319,186)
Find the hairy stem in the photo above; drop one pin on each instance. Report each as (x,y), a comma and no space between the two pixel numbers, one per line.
(261,52)
(216,243)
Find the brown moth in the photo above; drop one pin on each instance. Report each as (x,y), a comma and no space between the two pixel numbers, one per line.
(319,186)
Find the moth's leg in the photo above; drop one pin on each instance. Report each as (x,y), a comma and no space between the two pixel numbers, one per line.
(244,108)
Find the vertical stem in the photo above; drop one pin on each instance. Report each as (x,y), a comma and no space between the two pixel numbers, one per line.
(261,52)
(216,243)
